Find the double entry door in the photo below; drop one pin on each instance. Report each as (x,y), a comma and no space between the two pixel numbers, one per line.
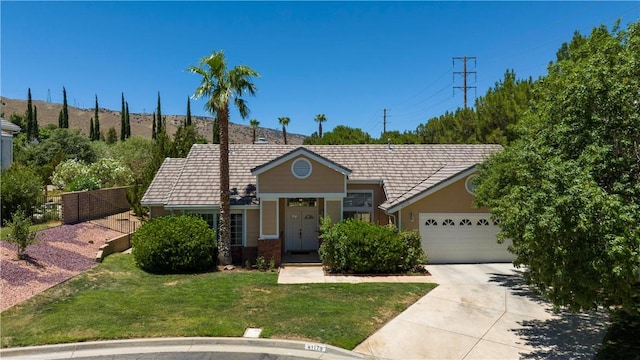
(301,228)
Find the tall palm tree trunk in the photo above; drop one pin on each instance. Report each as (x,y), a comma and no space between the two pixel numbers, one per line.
(284,134)
(224,242)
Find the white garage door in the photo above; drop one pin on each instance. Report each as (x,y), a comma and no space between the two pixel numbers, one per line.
(462,238)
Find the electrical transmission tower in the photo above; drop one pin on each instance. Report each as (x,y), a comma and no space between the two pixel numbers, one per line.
(384,120)
(464,74)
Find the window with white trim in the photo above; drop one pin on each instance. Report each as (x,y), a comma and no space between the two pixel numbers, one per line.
(236,227)
(358,205)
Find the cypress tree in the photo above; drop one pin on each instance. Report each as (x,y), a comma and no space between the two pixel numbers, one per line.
(127,124)
(188,122)
(154,132)
(36,131)
(91,130)
(29,116)
(123,124)
(96,124)
(65,109)
(159,128)
(60,122)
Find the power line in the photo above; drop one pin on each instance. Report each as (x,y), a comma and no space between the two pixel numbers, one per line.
(464,74)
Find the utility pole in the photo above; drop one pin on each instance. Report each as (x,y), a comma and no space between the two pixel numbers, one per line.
(49,95)
(464,74)
(384,120)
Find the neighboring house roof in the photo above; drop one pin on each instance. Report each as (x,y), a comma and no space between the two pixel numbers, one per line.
(406,171)
(9,127)
(163,182)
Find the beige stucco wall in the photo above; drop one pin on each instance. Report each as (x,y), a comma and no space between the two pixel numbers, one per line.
(452,199)
(379,217)
(281,180)
(269,217)
(252,222)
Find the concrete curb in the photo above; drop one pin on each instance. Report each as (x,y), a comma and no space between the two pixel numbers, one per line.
(288,348)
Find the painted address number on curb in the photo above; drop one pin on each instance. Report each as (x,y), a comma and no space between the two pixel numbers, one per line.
(315,347)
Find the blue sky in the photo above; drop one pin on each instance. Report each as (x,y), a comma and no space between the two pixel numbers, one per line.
(348,60)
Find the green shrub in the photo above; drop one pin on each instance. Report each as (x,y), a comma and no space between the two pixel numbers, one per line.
(175,244)
(21,234)
(361,247)
(20,188)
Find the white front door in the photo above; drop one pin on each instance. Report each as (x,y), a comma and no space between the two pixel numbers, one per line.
(301,228)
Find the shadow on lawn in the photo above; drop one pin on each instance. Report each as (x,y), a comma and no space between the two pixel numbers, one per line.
(565,335)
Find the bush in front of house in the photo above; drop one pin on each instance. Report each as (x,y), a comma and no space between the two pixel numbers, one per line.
(175,245)
(361,247)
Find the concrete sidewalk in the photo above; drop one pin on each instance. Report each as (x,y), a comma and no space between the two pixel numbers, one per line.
(307,274)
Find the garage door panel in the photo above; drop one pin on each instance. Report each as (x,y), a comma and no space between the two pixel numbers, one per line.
(462,238)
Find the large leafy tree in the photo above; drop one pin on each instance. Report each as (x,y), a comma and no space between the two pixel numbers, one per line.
(320,118)
(340,135)
(220,86)
(284,121)
(568,191)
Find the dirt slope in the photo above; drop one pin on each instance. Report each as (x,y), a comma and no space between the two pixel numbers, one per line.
(141,124)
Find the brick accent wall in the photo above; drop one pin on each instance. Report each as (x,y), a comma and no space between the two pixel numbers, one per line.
(88,205)
(270,248)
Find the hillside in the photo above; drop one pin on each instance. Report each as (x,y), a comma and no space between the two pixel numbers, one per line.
(141,124)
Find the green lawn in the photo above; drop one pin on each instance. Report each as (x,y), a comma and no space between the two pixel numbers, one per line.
(116,300)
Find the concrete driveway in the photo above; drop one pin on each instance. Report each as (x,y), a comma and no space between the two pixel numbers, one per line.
(485,311)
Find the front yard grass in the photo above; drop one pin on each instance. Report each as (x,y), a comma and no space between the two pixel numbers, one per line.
(116,300)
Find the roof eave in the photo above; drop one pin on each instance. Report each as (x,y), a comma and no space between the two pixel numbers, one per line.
(430,190)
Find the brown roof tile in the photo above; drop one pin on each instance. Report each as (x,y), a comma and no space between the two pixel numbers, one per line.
(406,170)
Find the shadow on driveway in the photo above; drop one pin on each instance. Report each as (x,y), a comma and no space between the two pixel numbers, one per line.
(565,335)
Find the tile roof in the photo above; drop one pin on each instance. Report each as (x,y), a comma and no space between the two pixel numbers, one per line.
(406,170)
(9,127)
(163,182)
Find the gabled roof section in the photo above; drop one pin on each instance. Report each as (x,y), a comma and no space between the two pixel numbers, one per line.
(295,153)
(163,182)
(445,176)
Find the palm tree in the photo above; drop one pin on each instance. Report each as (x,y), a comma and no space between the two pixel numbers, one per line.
(254,125)
(220,87)
(320,118)
(284,121)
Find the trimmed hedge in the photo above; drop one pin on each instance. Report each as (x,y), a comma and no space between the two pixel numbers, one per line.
(174,245)
(361,247)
